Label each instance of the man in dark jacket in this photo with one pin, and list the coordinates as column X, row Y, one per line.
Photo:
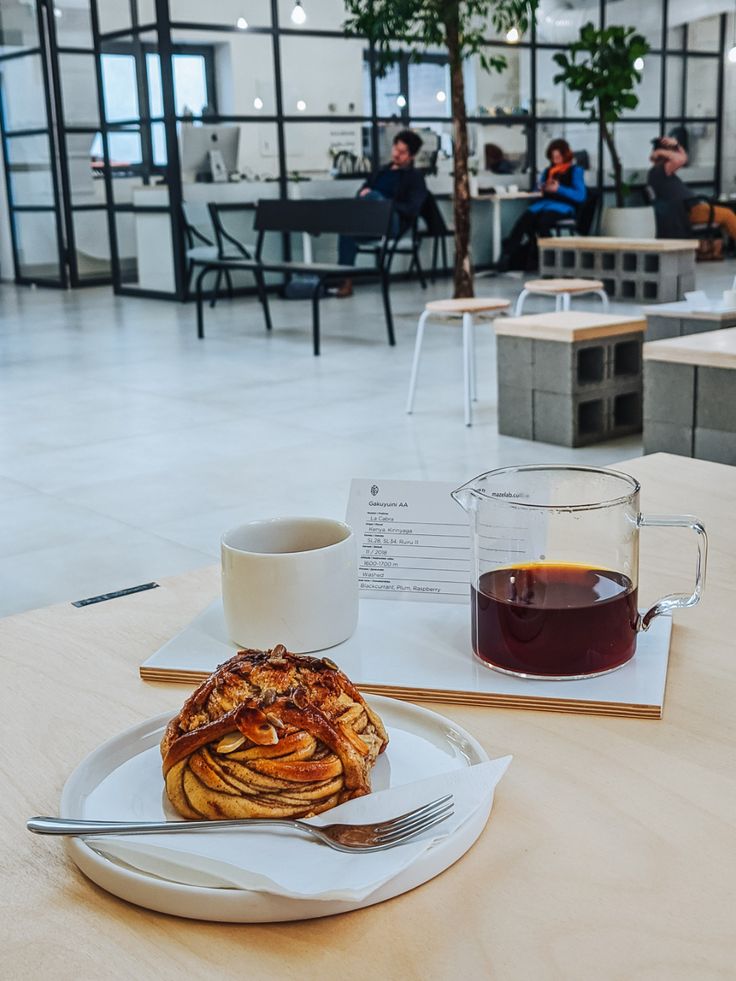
column 399, row 182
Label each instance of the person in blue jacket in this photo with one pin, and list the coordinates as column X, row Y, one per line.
column 563, row 189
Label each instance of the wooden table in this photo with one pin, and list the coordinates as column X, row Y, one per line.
column 690, row 395
column 678, row 319
column 609, row 854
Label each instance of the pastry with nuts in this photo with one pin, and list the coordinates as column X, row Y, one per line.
column 271, row 734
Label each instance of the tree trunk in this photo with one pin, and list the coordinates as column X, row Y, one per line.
column 461, row 183
column 616, row 161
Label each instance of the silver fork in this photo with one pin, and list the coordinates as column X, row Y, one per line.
column 343, row 837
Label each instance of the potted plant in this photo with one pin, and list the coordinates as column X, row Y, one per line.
column 460, row 28
column 603, row 68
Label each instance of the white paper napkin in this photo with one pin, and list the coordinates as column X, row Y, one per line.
column 289, row 863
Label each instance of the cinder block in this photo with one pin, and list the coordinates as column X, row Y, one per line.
column 515, row 412
column 661, row 327
column 624, row 412
column 665, row 437
column 716, row 399
column 514, row 357
column 690, row 325
column 715, row 445
column 569, row 420
column 669, row 393
column 624, row 361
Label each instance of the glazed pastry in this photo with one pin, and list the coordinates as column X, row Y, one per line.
column 270, row 734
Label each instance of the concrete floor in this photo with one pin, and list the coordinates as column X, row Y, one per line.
column 127, row 446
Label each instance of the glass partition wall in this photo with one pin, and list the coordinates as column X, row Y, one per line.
column 159, row 107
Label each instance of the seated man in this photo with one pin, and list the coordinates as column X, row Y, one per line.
column 667, row 157
column 398, row 182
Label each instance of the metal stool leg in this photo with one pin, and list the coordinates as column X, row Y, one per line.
column 565, row 301
column 558, row 302
column 604, row 298
column 415, row 363
column 473, row 371
column 520, row 302
column 467, row 363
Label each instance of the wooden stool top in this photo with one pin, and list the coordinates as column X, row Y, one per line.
column 471, row 304
column 563, row 285
column 571, row 325
column 603, row 243
column 711, row 349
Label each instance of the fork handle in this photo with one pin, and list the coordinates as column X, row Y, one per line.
column 64, row 826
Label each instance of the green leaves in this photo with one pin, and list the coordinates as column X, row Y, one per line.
column 422, row 24
column 599, row 67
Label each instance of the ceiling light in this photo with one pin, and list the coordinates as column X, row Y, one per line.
column 298, row 16
column 512, row 35
column 441, row 96
column 258, row 103
column 401, row 102
column 57, row 12
column 241, row 24
column 639, row 64
column 301, row 105
column 732, row 54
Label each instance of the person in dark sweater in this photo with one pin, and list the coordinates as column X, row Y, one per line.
column 399, row 182
column 563, row 188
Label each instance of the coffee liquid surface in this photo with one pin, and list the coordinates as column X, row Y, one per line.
column 554, row 620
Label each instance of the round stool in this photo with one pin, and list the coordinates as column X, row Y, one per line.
column 561, row 290
column 468, row 309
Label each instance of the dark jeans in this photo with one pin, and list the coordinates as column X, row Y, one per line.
column 530, row 225
column 347, row 245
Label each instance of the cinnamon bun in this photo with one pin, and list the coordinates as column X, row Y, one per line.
column 270, row 734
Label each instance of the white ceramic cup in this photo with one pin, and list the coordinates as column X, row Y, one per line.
column 290, row 581
column 729, row 299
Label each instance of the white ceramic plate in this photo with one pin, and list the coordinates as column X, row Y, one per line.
column 123, row 778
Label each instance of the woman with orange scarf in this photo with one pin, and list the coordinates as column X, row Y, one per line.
column 563, row 188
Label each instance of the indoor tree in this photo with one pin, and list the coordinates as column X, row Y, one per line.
column 460, row 26
column 601, row 67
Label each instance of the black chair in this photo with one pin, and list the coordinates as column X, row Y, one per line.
column 354, row 217
column 199, row 247
column 672, row 219
column 436, row 229
column 405, row 243
column 585, row 220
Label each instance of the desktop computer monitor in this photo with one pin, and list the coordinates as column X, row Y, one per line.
column 195, row 143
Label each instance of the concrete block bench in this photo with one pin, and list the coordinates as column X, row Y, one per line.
column 690, row 396
column 635, row 269
column 678, row 319
column 570, row 378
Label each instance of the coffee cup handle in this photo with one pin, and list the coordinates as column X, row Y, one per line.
column 676, row 601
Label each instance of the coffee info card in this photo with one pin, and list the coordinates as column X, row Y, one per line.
column 413, row 540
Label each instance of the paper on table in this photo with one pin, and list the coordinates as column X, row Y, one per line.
column 413, row 540
column 288, row 863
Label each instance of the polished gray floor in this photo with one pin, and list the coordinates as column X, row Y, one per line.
column 127, row 446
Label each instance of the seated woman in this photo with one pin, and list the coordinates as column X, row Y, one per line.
column 563, row 188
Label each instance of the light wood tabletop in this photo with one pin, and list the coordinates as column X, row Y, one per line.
column 609, row 853
column 608, row 243
column 711, row 349
column 570, row 325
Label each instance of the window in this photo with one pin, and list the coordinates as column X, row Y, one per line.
column 194, row 91
column 410, row 88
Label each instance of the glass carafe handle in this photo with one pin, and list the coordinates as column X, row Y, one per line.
column 676, row 601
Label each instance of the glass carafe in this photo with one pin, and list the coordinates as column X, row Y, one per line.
column 555, row 569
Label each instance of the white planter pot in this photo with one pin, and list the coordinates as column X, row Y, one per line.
column 629, row 222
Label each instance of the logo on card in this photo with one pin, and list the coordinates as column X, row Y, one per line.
column 374, row 490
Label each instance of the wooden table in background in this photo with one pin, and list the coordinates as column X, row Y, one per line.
column 610, row 852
